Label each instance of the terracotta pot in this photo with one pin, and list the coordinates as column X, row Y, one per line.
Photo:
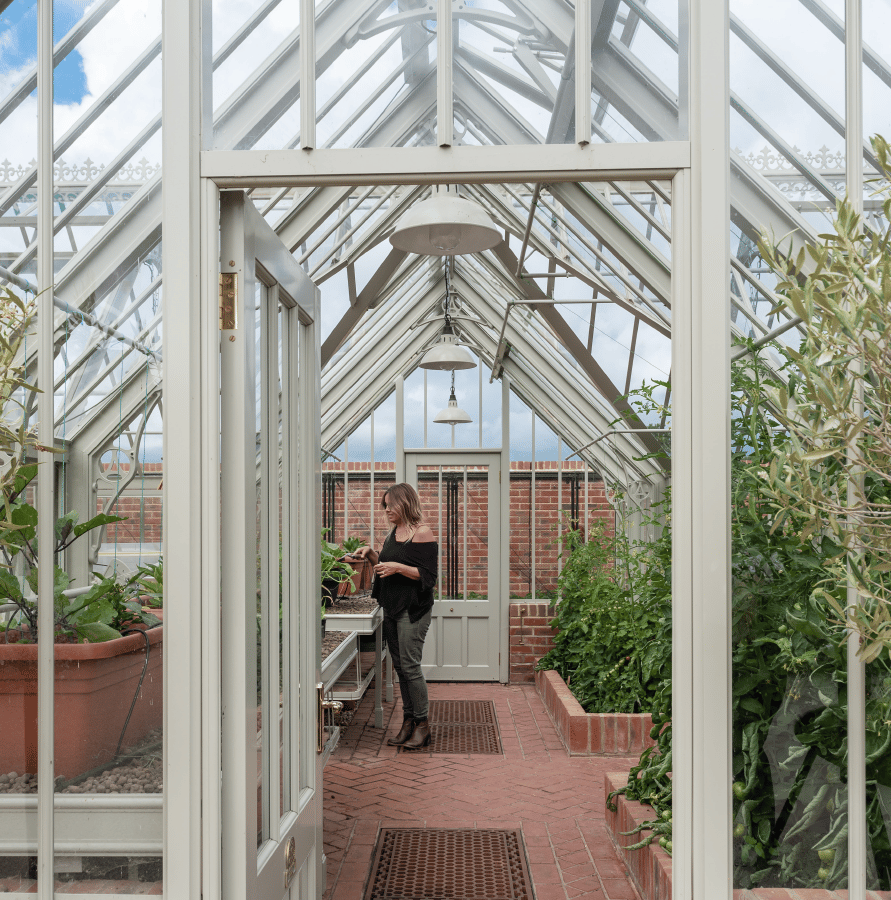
column 94, row 687
column 361, row 578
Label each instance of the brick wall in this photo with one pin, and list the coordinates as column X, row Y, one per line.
column 531, row 636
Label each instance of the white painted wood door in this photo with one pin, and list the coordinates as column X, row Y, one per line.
column 461, row 496
column 269, row 368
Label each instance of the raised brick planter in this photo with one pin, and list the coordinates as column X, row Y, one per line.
column 592, row 734
column 650, row 867
column 531, row 637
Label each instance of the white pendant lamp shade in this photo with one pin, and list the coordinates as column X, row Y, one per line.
column 445, row 225
column 447, row 354
column 452, row 414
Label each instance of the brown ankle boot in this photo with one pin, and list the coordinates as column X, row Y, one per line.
column 408, row 726
column 420, row 737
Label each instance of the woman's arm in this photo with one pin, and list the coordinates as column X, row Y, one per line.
column 422, row 536
column 368, row 553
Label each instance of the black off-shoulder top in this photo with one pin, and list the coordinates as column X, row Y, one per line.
column 399, row 593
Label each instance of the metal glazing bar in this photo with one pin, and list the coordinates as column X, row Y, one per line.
column 237, row 39
column 17, row 280
column 873, row 61
column 856, row 669
column 349, row 233
column 62, row 49
column 533, row 516
column 307, row 74
column 783, row 147
column 371, row 485
column 606, row 434
column 465, row 535
column 585, row 468
column 375, row 94
column 425, row 407
column 93, row 112
column 290, row 323
column 269, row 727
column 444, row 114
column 323, row 236
column 740, row 352
column 559, row 504
column 582, row 73
column 87, row 194
column 46, row 495
column 346, row 485
column 532, row 204
column 479, row 371
column 641, row 210
column 110, row 330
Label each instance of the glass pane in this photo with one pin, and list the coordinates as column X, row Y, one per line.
column 635, row 68
column 365, row 89
column 264, row 723
column 476, row 533
column 250, row 43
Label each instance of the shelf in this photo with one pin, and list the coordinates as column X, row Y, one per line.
column 361, row 623
column 335, row 664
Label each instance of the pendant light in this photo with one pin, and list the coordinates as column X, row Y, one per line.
column 452, row 414
column 445, row 225
column 447, row 354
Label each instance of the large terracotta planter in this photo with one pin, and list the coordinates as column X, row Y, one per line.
column 94, row 687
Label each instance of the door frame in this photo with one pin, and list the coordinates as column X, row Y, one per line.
column 503, row 557
column 255, row 255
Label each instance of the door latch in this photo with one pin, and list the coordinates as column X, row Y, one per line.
column 324, row 704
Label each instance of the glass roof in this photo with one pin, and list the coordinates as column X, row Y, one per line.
column 600, row 253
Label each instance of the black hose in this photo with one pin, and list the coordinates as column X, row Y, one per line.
column 138, row 686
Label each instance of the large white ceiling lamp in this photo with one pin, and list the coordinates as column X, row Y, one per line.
column 445, row 225
column 452, row 414
column 447, row 354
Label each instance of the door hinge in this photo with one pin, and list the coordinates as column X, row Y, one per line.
column 228, row 293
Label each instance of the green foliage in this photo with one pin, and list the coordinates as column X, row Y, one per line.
column 832, row 474
column 789, row 675
column 613, row 622
column 15, row 437
column 334, row 567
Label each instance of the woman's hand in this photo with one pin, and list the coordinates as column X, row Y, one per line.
column 364, row 553
column 388, row 568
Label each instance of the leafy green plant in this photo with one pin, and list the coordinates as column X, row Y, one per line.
column 832, row 474
column 16, row 438
column 18, row 577
column 789, row 699
column 148, row 583
column 613, row 640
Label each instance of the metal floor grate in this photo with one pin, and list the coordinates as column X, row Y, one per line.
column 449, row 864
column 462, row 726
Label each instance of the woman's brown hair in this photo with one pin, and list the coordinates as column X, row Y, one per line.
column 405, row 500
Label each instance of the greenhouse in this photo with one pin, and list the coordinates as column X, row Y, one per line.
column 604, row 285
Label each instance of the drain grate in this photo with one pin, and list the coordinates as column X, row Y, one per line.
column 463, row 726
column 449, row 864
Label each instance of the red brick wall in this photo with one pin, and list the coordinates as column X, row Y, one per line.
column 531, row 636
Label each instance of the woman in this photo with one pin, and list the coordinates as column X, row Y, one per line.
column 405, row 574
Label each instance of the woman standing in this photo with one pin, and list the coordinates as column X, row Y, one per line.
column 405, row 574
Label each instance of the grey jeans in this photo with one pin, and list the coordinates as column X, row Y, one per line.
column 405, row 641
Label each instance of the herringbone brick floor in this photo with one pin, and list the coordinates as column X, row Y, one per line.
column 556, row 800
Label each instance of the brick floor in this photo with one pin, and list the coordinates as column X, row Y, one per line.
column 555, row 799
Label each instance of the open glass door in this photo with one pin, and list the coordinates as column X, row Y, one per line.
column 271, row 771
column 461, row 497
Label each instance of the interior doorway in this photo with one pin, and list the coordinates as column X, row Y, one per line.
column 461, row 497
